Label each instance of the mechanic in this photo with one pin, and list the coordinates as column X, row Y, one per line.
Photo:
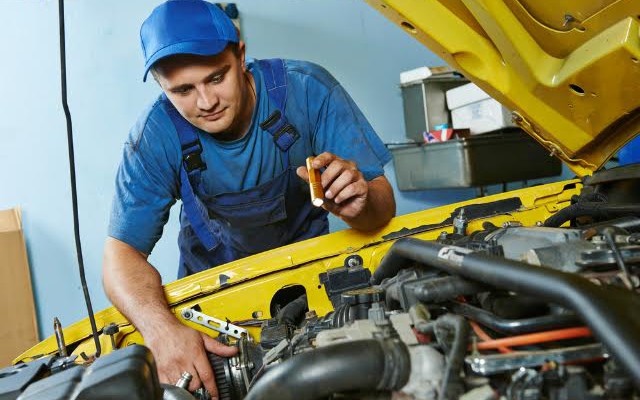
column 229, row 137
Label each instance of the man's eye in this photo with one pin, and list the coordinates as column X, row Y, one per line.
column 182, row 91
column 217, row 79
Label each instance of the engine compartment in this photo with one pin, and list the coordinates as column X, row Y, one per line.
column 460, row 339
column 485, row 304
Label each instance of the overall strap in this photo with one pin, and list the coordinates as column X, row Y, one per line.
column 190, row 176
column 275, row 79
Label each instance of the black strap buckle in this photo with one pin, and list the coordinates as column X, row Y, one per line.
column 287, row 129
column 271, row 120
column 193, row 160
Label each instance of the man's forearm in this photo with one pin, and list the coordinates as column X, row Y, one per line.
column 380, row 207
column 135, row 288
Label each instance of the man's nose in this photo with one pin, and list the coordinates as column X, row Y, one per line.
column 207, row 98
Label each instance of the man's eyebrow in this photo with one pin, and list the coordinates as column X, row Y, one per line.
column 180, row 88
column 219, row 71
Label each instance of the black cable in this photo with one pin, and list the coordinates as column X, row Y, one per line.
column 611, row 241
column 452, row 386
column 72, row 172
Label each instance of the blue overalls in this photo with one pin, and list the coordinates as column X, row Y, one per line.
column 218, row 229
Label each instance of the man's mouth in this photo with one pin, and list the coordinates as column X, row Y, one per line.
column 214, row 115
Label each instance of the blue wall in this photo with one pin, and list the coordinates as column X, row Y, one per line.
column 361, row 48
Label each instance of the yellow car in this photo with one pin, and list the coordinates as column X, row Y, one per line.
column 529, row 294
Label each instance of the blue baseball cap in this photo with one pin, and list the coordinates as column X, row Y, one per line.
column 185, row 27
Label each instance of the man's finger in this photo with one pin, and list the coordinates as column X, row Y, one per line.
column 333, row 171
column 205, row 375
column 195, row 383
column 303, row 173
column 346, row 178
column 215, row 347
column 352, row 190
column 323, row 160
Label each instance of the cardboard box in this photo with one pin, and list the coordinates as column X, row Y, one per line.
column 473, row 109
column 19, row 328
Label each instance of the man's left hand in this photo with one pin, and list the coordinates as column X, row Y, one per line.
column 345, row 188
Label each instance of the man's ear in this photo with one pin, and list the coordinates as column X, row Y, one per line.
column 241, row 54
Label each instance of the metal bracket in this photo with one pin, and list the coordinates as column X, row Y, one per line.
column 498, row 363
column 189, row 314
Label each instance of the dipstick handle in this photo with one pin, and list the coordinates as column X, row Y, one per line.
column 315, row 184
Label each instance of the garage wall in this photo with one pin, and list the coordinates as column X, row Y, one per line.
column 361, row 48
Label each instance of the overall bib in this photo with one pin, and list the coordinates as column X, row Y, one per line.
column 218, row 229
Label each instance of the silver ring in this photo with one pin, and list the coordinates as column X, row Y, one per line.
column 184, row 380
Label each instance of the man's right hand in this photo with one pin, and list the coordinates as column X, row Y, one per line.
column 135, row 287
column 178, row 348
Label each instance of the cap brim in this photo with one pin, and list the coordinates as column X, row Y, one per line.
column 200, row 47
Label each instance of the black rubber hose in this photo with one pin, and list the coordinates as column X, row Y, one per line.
column 360, row 365
column 513, row 326
column 388, row 267
column 608, row 234
column 446, row 288
column 607, row 310
column 452, row 386
column 592, row 209
column 293, row 312
column 510, row 306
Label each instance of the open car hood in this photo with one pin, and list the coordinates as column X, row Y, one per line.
column 569, row 69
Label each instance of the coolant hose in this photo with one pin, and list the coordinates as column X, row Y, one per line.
column 452, row 386
column 592, row 209
column 607, row 310
column 513, row 326
column 446, row 288
column 388, row 267
column 359, row 365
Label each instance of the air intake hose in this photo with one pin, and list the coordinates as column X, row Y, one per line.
column 359, row 365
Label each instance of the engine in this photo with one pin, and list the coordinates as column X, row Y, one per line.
column 419, row 331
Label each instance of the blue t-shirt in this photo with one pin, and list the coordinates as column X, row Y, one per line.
column 147, row 182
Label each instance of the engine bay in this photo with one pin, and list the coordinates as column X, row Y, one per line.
column 492, row 306
column 419, row 333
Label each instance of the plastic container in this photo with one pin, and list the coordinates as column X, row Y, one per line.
column 506, row 156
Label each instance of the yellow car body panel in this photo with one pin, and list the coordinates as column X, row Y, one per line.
column 251, row 283
column 569, row 69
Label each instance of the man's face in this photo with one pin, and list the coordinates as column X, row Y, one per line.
column 210, row 92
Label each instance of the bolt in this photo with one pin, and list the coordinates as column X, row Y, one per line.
column 460, row 223
column 184, row 380
column 568, row 19
column 62, row 347
column 111, row 330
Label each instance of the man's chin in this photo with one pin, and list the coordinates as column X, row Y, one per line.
column 214, row 128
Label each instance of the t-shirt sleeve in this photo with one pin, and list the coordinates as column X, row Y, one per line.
column 146, row 185
column 342, row 129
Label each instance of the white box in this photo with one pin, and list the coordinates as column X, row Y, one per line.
column 414, row 75
column 473, row 109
